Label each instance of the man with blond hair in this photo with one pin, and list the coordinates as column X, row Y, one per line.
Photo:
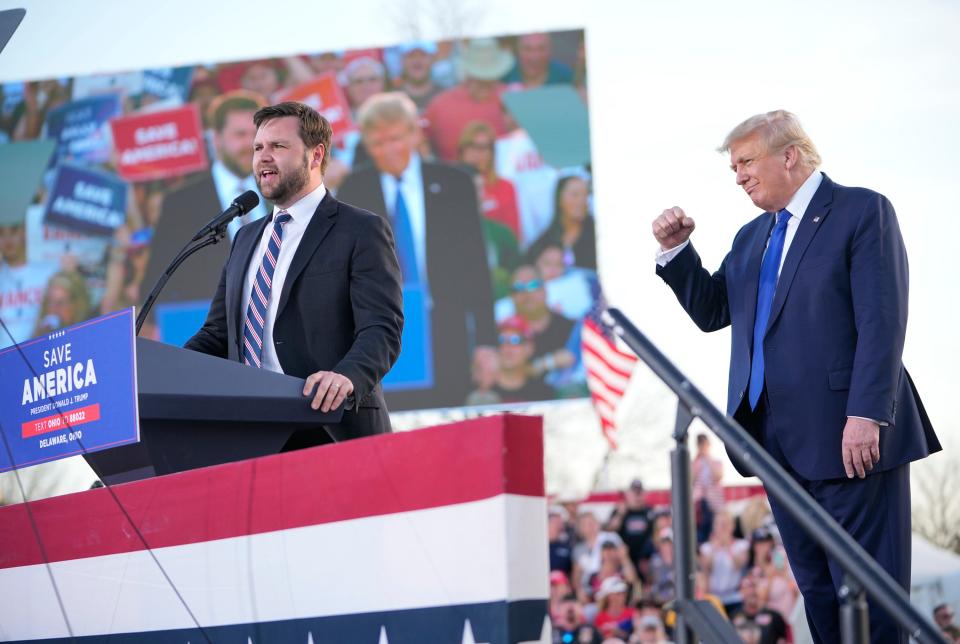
column 433, row 211
column 815, row 292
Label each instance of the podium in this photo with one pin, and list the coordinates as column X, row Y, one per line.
column 197, row 410
column 435, row 535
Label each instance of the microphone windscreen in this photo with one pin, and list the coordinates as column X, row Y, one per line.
column 247, row 201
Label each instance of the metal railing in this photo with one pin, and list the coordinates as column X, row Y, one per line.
column 862, row 575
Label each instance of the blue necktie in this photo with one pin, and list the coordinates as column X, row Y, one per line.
column 260, row 294
column 403, row 232
column 769, row 271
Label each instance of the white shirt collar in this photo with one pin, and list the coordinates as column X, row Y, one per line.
column 303, row 210
column 801, row 198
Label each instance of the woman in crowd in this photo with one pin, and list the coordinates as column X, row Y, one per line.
column 66, row 302
column 723, row 559
column 768, row 565
column 572, row 228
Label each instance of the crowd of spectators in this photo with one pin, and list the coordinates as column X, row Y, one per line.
column 612, row 578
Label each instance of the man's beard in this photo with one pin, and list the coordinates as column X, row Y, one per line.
column 289, row 184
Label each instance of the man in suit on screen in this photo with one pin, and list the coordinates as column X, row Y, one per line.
column 312, row 291
column 815, row 292
column 435, row 216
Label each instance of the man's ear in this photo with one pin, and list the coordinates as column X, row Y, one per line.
column 319, row 153
column 791, row 157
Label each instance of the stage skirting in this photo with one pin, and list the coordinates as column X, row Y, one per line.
column 436, row 535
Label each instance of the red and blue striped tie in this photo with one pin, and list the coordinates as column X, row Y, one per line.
column 260, row 294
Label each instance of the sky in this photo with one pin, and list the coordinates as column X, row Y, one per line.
column 875, row 84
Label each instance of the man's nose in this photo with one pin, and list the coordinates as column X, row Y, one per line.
column 742, row 176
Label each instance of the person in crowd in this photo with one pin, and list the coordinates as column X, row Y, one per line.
column 586, row 554
column 535, row 65
column 559, row 591
column 572, row 227
column 551, row 332
column 22, row 283
column 614, row 617
column 561, row 548
column 315, row 290
column 363, row 77
column 633, row 520
column 188, row 208
column 477, row 98
column 416, row 78
column 514, row 381
column 648, row 630
column 662, row 575
column 568, row 619
column 499, row 202
column 943, row 617
column 767, row 564
column 723, row 558
column 615, row 562
column 773, row 627
column 66, row 302
column 39, row 99
column 707, row 472
column 570, row 290
column 835, row 408
column 441, row 239
column 260, row 77
column 503, row 252
column 326, row 62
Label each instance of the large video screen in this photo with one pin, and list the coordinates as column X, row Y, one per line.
column 105, row 178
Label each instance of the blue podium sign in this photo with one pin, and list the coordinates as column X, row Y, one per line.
column 69, row 392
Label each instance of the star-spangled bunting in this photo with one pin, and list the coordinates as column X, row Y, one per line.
column 608, row 367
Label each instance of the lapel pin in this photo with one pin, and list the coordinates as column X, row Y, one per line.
column 816, row 219
column 435, row 188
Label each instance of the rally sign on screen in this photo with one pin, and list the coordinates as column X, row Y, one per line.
column 69, row 392
column 87, row 201
column 81, row 128
column 325, row 96
column 158, row 145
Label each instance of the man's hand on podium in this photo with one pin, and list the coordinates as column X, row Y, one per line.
column 332, row 389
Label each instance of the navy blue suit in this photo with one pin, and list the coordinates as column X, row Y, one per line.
column 832, row 349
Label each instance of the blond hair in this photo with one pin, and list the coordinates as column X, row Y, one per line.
column 387, row 108
column 779, row 130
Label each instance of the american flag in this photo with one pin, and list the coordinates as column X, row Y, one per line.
column 608, row 367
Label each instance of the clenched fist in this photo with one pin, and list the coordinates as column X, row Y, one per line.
column 672, row 228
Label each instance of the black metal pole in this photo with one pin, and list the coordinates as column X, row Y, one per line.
column 814, row 520
column 684, row 533
column 854, row 617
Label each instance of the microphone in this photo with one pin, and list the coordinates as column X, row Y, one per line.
column 240, row 206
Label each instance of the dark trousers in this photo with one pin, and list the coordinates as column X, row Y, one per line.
column 876, row 513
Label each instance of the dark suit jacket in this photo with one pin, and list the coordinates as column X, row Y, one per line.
column 835, row 337
column 457, row 270
column 340, row 309
column 184, row 212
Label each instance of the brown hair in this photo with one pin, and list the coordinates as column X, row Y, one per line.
column 236, row 101
column 314, row 128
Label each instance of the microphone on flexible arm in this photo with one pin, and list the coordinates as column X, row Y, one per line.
column 240, row 206
column 210, row 234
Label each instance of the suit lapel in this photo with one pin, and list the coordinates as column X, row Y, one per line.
column 320, row 224
column 245, row 246
column 812, row 219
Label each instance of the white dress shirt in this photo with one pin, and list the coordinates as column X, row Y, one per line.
column 411, row 184
column 302, row 213
column 797, row 208
column 229, row 186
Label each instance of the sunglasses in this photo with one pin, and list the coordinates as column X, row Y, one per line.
column 512, row 338
column 526, row 287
